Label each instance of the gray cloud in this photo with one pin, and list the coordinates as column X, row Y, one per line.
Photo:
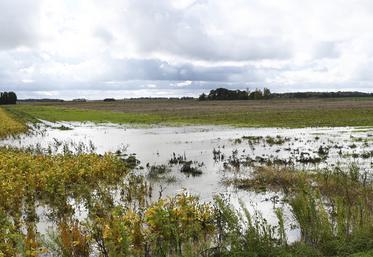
column 158, row 27
column 103, row 34
column 19, row 23
column 326, row 50
column 166, row 47
column 155, row 69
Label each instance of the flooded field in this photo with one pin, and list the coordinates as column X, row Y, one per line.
column 210, row 149
column 211, row 152
column 201, row 159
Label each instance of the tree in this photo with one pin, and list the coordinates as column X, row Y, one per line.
column 257, row 94
column 266, row 93
column 226, row 94
column 202, row 97
column 12, row 98
column 8, row 98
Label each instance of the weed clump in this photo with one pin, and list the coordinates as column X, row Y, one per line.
column 63, row 127
column 278, row 140
column 189, row 168
column 160, row 172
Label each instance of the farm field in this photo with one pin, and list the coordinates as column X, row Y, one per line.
column 291, row 113
column 262, row 186
column 190, row 128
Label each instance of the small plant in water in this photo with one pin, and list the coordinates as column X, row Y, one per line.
column 189, row 168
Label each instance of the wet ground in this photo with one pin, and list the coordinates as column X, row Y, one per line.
column 199, row 158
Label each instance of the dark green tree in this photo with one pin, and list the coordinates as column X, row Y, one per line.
column 266, row 93
column 202, row 97
column 8, row 98
column 226, row 94
column 256, row 95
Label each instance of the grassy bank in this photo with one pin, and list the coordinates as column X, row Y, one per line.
column 9, row 125
column 271, row 113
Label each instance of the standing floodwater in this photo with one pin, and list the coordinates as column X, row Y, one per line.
column 210, row 149
column 200, row 158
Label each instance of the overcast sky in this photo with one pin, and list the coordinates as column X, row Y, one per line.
column 128, row 48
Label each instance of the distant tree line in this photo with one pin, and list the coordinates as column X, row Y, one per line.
column 257, row 94
column 161, row 98
column 44, row 100
column 109, row 100
column 8, row 98
column 338, row 94
column 226, row 94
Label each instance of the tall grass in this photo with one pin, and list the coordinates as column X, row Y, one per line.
column 8, row 125
column 333, row 208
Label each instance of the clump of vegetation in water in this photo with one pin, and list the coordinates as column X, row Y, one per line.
column 190, row 168
column 366, row 155
column 278, row 140
column 253, row 139
column 63, row 127
column 156, row 171
column 353, row 146
column 237, row 141
column 160, row 172
column 217, row 155
column 323, row 152
column 232, row 161
column 306, row 158
column 187, row 167
column 177, row 159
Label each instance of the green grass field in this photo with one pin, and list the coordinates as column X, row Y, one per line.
column 273, row 113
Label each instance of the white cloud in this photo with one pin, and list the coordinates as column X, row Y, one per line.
column 184, row 47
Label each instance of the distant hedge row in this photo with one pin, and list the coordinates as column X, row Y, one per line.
column 8, row 98
column 339, row 94
column 226, row 94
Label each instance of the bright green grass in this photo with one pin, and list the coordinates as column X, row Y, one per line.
column 366, row 254
column 266, row 118
column 67, row 114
